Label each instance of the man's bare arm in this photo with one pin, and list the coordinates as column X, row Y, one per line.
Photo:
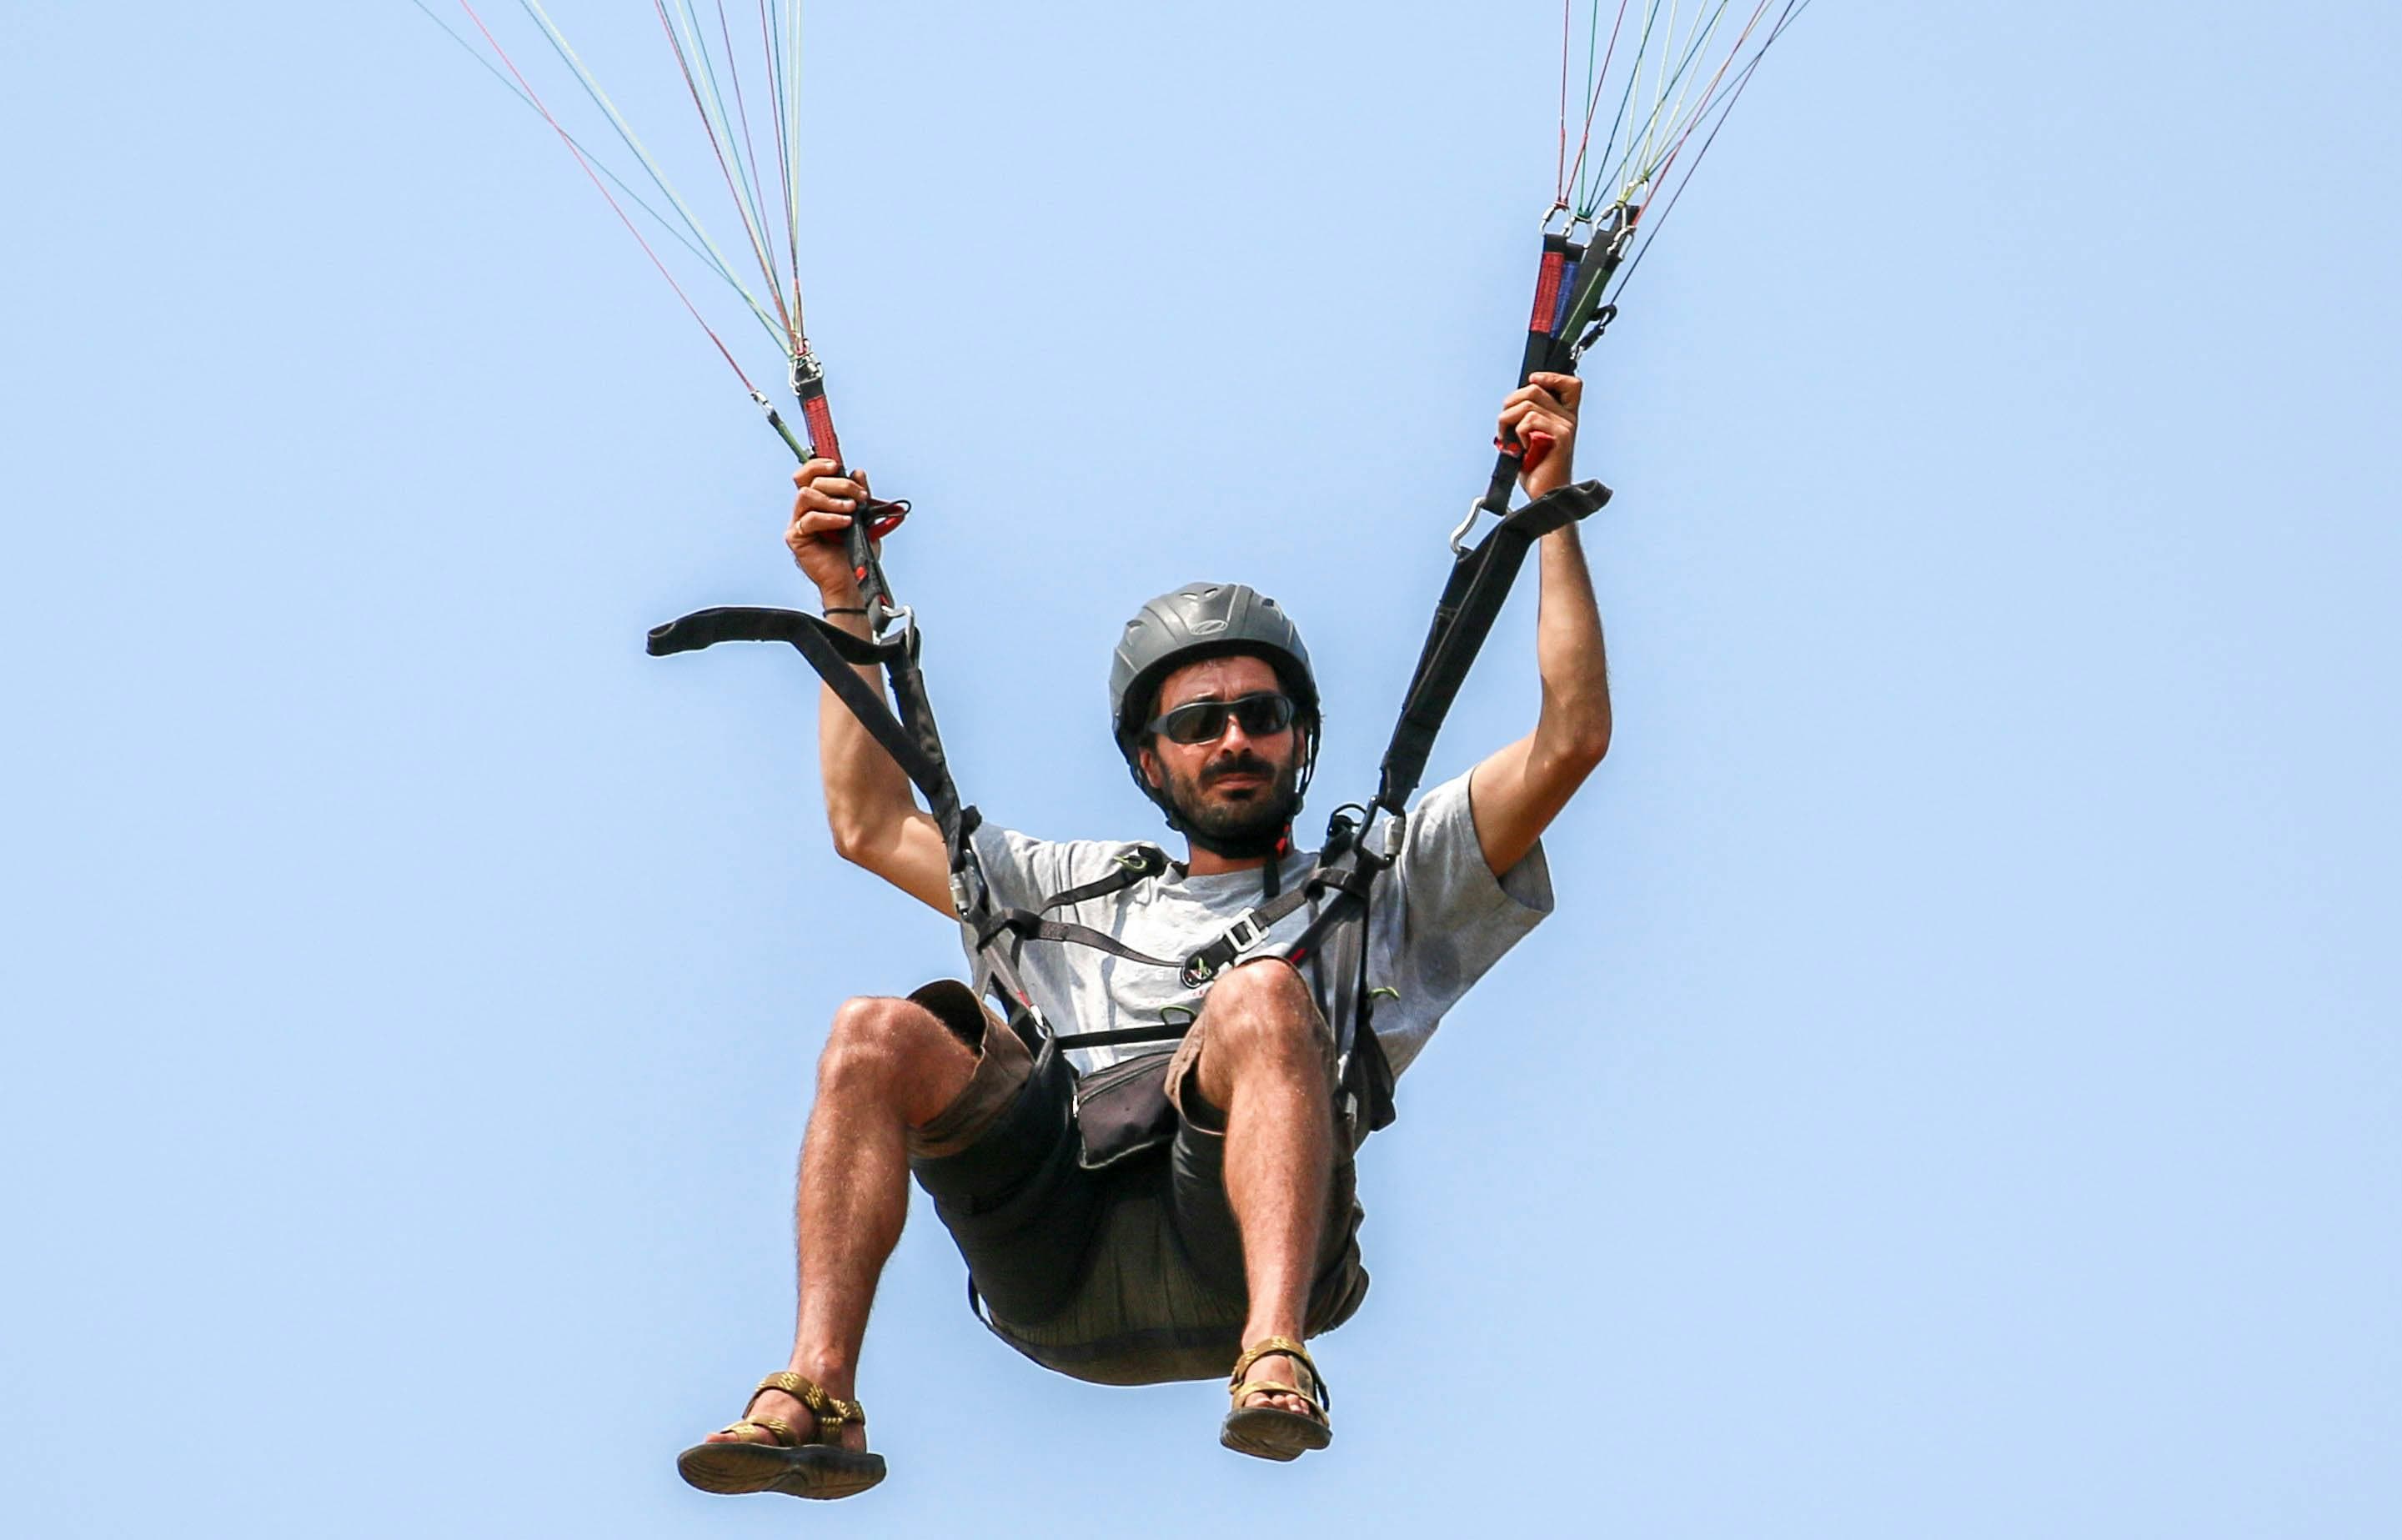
column 1516, row 793
column 876, row 821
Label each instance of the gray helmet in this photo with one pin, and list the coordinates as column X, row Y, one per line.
column 1205, row 620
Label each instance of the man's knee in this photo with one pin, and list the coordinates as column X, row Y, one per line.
column 883, row 1041
column 1263, row 1009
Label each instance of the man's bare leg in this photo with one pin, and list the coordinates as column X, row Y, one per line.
column 1263, row 1062
column 889, row 1066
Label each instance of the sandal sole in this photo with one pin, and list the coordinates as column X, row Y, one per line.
column 816, row 1471
column 1270, row 1433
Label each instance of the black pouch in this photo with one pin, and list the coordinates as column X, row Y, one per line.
column 1123, row 1110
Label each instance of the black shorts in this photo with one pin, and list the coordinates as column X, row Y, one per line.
column 1118, row 1266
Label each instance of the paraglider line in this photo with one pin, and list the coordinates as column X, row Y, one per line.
column 616, row 208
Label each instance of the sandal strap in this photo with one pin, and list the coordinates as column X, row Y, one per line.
column 783, row 1432
column 832, row 1411
column 1315, row 1412
column 1272, row 1347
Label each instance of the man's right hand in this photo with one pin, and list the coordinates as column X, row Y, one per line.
column 822, row 517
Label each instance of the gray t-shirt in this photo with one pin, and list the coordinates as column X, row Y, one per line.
column 1438, row 919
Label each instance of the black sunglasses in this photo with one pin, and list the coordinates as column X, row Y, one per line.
column 1205, row 721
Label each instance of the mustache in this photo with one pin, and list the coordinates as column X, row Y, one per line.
column 1241, row 764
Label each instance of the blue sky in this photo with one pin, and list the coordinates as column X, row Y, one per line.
column 1958, row 1093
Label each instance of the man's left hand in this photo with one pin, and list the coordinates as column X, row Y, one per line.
column 1540, row 417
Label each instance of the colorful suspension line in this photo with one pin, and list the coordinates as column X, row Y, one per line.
column 762, row 187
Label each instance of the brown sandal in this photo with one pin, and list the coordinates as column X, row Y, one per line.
column 1272, row 1432
column 811, row 1464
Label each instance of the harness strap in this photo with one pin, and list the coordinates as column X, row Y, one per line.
column 1248, row 931
column 834, row 654
column 908, row 735
column 1135, row 865
column 1165, row 1031
column 1027, row 925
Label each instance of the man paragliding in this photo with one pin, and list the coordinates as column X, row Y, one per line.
column 1140, row 1116
column 1132, row 1210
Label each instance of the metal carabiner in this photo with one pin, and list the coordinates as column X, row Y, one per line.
column 1459, row 536
column 1593, row 330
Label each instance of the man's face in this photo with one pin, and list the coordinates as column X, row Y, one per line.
column 1236, row 787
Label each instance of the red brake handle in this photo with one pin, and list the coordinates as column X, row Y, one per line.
column 1530, row 455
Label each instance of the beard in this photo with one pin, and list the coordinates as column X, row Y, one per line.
column 1252, row 821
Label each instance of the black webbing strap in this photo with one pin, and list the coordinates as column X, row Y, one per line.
column 1027, row 925
column 1141, row 862
column 1349, row 881
column 1251, row 927
column 1165, row 1031
column 907, row 734
column 909, row 737
column 1471, row 601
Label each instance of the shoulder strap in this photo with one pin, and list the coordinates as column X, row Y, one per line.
column 1480, row 581
column 1135, row 865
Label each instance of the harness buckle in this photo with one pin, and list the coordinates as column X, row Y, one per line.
column 1210, row 961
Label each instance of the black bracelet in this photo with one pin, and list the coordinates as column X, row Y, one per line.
column 845, row 609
